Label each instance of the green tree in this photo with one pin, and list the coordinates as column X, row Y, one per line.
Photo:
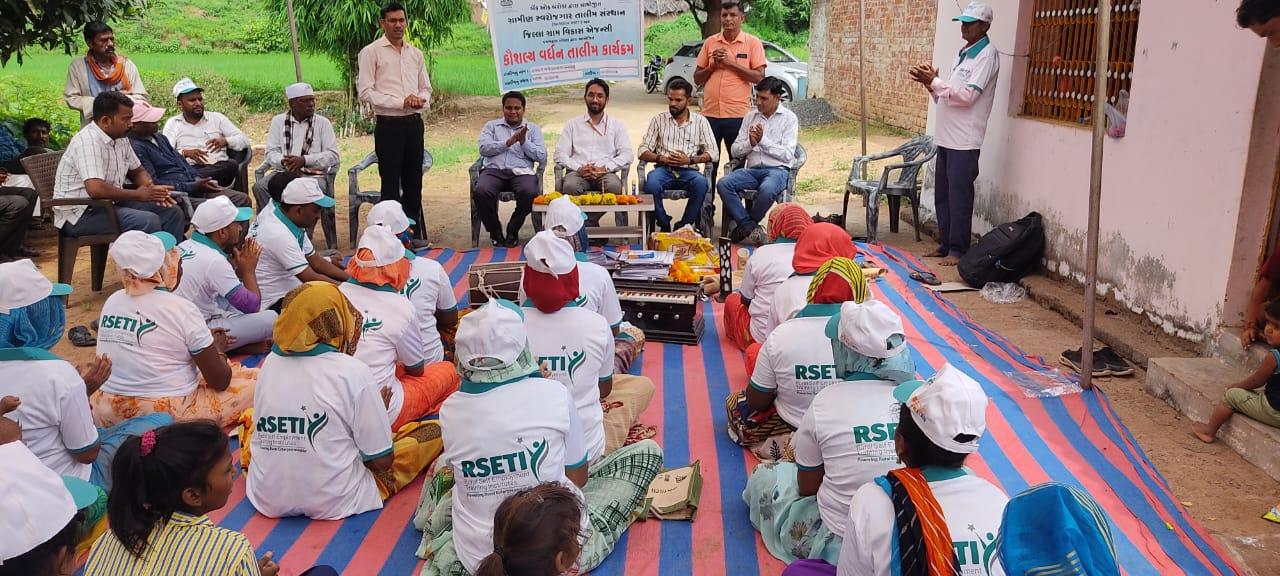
column 53, row 23
column 339, row 29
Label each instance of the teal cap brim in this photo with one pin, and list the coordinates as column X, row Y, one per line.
column 965, row 19
column 903, row 392
column 167, row 239
column 83, row 494
column 244, row 214
column 412, row 222
column 60, row 289
column 325, row 202
column 410, row 254
column 833, row 328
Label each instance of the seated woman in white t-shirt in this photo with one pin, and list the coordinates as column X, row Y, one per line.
column 164, row 357
column 320, row 441
column 746, row 311
column 844, row 440
column 794, row 365
column 391, row 338
column 508, row 429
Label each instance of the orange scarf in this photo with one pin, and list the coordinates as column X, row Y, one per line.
column 924, row 540
column 117, row 75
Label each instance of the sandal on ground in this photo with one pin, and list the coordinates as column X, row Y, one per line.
column 81, row 337
column 927, row 278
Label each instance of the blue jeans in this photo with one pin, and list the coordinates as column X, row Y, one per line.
column 131, row 215
column 955, row 173
column 768, row 183
column 110, row 439
column 690, row 180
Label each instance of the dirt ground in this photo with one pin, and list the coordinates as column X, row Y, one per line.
column 1219, row 488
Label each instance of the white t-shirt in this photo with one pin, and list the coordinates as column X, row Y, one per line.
column 848, row 431
column 963, row 127
column 530, row 434
column 796, row 363
column 430, row 290
column 768, row 266
column 576, row 346
column 389, row 335
column 151, row 340
column 285, row 249
column 207, row 277
column 54, row 414
column 317, row 420
column 972, row 506
column 790, row 296
column 596, row 285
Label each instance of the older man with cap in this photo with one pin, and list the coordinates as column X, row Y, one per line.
column 219, row 275
column 165, row 164
column 429, row 287
column 288, row 258
column 963, row 108
column 203, row 136
column 38, row 514
column 299, row 141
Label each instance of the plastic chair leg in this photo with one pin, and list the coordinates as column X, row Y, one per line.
column 353, row 218
column 914, row 197
column 67, row 249
column 872, row 201
column 98, row 265
column 895, row 204
column 475, row 224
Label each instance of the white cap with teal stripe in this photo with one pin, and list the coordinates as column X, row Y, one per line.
column 975, row 12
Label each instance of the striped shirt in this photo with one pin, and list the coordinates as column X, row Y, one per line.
column 186, row 545
column 666, row 136
column 91, row 154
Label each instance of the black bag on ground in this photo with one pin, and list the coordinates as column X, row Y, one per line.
column 1005, row 254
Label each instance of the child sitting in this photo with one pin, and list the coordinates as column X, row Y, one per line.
column 536, row 532
column 1244, row 397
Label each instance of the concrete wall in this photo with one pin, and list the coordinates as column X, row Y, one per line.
column 899, row 34
column 1175, row 189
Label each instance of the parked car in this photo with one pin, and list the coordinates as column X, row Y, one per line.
column 782, row 65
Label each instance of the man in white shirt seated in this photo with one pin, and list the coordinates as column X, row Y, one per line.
column 767, row 141
column 204, row 137
column 96, row 165
column 592, row 147
column 219, row 275
column 288, row 258
column 299, row 141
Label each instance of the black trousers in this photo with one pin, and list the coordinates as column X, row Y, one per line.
column 224, row 172
column 493, row 182
column 397, row 140
column 726, row 131
column 16, row 205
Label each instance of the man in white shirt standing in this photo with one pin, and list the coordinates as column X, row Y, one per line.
column 96, row 165
column 963, row 108
column 203, row 137
column 592, row 147
column 393, row 80
column 767, row 141
column 299, row 141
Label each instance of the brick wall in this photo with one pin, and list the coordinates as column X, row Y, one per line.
column 899, row 34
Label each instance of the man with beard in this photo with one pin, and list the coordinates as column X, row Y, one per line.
column 165, row 164
column 676, row 142
column 101, row 70
column 509, row 147
column 203, row 136
column 592, row 146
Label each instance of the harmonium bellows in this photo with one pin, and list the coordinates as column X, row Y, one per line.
column 494, row 280
column 665, row 311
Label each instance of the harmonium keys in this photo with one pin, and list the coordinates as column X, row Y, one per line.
column 665, row 311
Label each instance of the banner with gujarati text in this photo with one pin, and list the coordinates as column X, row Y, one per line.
column 539, row 43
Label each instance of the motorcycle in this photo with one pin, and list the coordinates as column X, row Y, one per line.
column 653, row 73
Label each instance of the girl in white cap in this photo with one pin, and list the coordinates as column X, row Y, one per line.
column 164, row 357
column 508, row 429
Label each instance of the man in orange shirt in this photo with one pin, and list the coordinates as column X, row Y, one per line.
column 729, row 64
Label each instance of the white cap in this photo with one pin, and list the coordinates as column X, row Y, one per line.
column 386, row 248
column 217, row 213
column 975, row 12
column 298, row 90
column 138, row 252
column 305, row 191
column 564, row 214
column 868, row 329
column 183, row 86
column 495, row 331
column 390, row 214
column 946, row 406
column 143, row 111
column 36, row 503
column 550, row 254
column 21, row 284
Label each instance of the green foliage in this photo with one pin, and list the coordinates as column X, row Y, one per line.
column 53, row 23
column 664, row 38
column 468, row 38
column 202, row 27
column 20, row 99
column 218, row 93
column 462, row 74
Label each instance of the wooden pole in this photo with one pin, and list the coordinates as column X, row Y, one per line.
column 293, row 39
column 1100, row 75
column 862, row 78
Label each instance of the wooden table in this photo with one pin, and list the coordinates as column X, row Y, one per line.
column 643, row 213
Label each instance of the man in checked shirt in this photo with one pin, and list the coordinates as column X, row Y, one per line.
column 677, row 142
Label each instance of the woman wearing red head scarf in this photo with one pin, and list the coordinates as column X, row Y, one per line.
column 746, row 311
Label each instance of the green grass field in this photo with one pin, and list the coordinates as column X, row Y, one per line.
column 250, row 69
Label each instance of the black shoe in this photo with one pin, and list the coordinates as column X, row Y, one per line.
column 25, row 252
column 512, row 242
column 1116, row 364
column 740, row 233
column 81, row 337
column 1072, row 358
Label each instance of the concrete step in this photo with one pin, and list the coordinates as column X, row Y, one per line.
column 1226, row 347
column 1194, row 385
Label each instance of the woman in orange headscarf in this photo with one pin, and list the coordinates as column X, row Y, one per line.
column 746, row 311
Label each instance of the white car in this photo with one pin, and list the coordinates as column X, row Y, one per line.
column 782, row 65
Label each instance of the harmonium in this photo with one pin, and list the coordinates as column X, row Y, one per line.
column 494, row 280
column 665, row 311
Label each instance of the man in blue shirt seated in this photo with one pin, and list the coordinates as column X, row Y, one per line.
column 165, row 164
column 509, row 148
